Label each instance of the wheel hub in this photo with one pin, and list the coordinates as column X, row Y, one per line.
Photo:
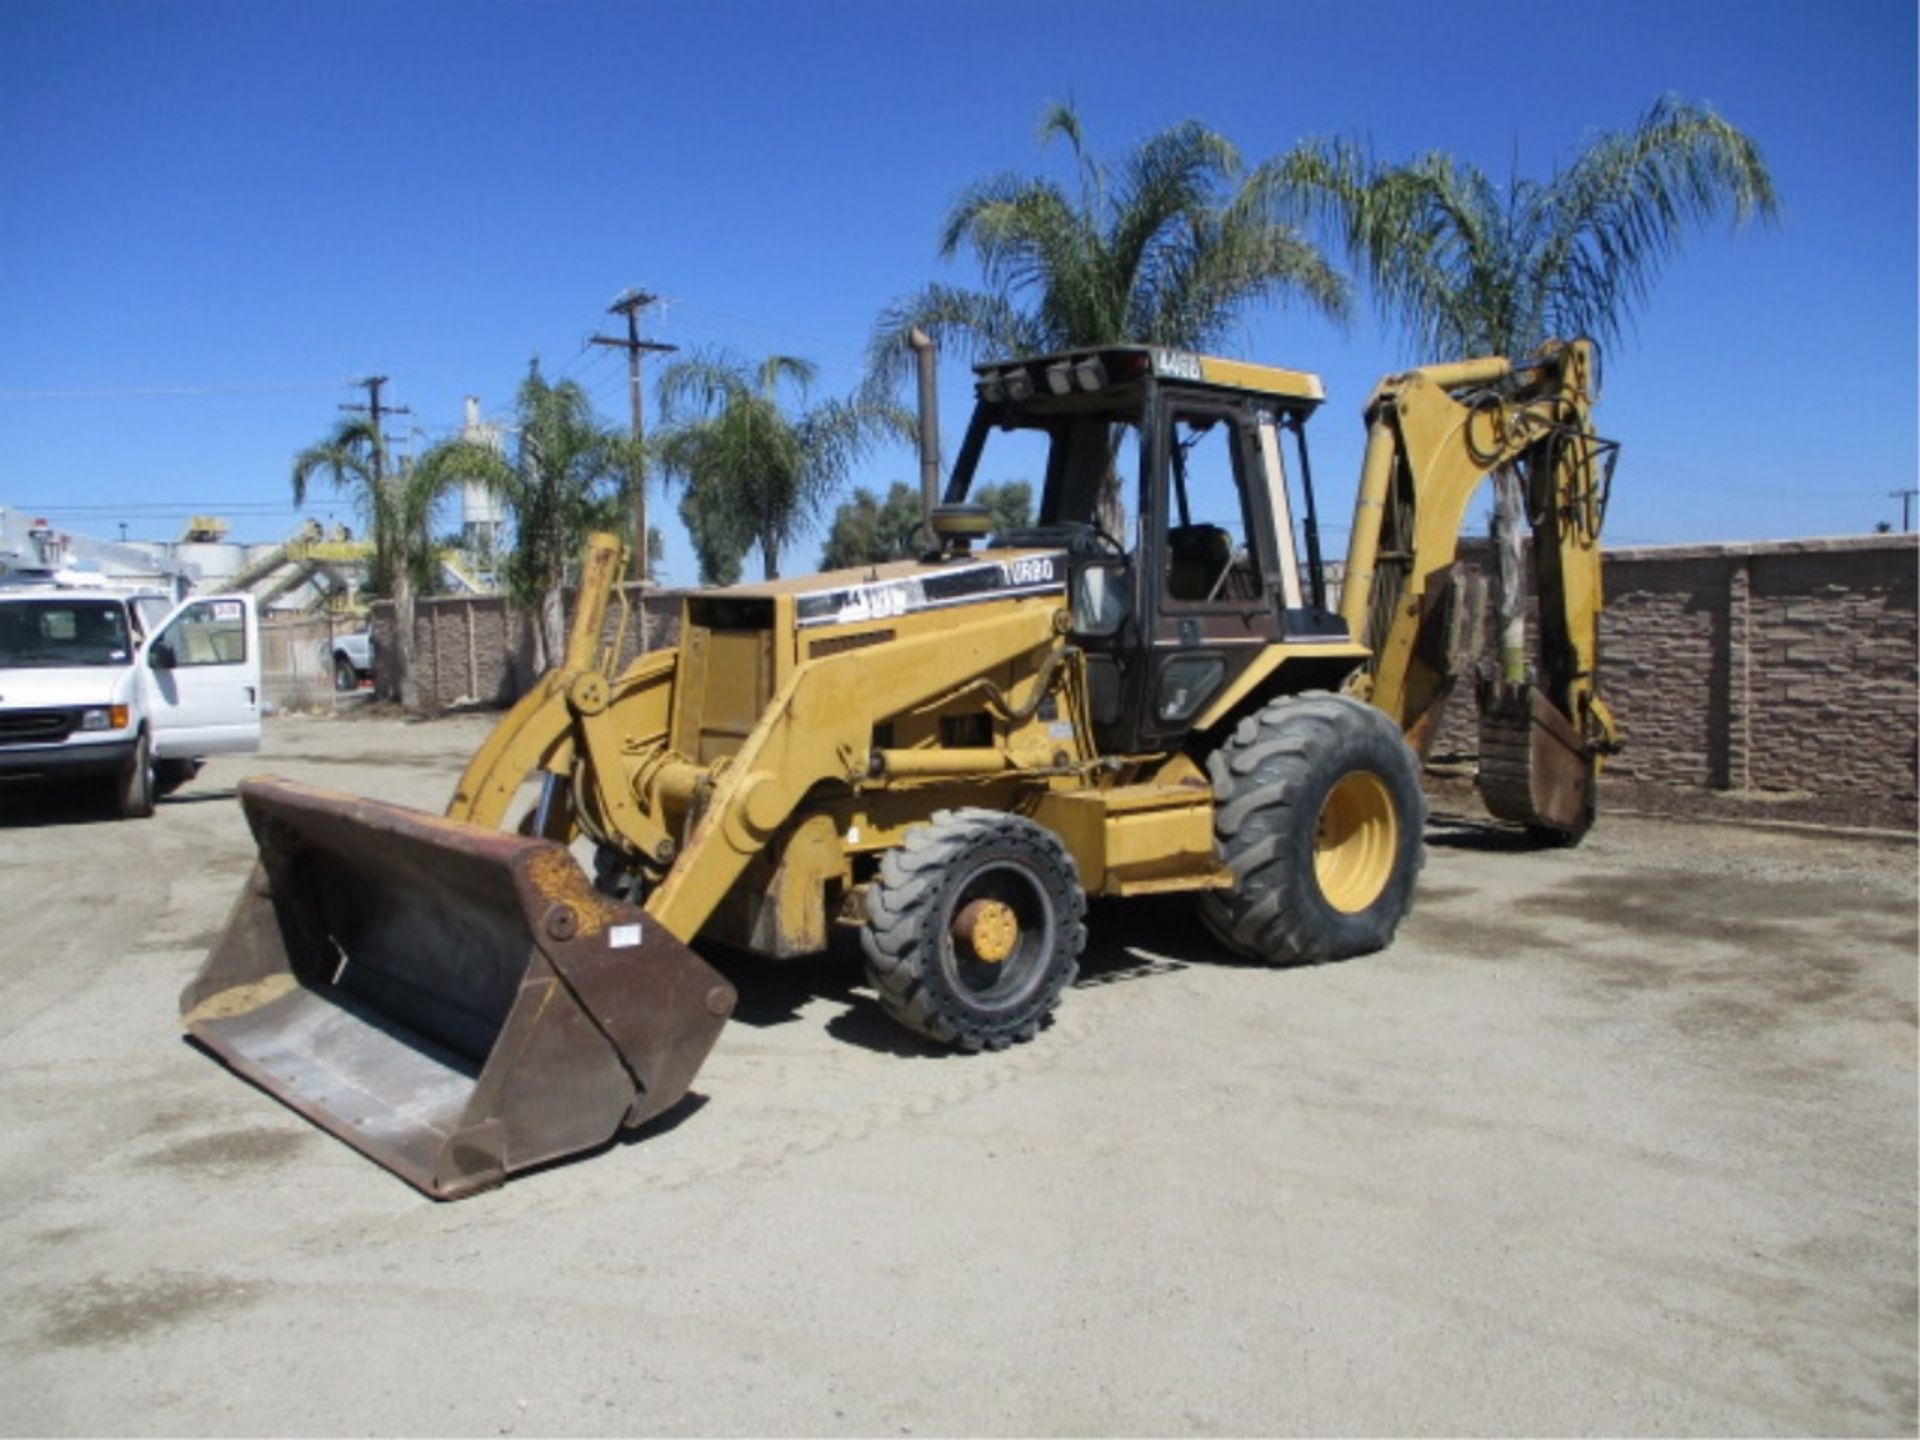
column 988, row 928
column 1354, row 842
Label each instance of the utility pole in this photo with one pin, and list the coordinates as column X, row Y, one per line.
column 1906, row 499
column 630, row 305
column 373, row 409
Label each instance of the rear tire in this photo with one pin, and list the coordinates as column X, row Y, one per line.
column 975, row 925
column 345, row 677
column 133, row 789
column 1319, row 815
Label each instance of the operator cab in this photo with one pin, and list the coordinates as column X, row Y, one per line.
column 1164, row 482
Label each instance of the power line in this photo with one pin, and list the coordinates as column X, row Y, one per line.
column 124, row 392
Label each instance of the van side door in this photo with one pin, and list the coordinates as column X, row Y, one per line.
column 201, row 677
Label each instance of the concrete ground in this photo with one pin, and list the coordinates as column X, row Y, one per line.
column 1613, row 1140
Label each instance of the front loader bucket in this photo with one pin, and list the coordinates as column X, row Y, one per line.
column 1535, row 768
column 457, row 1003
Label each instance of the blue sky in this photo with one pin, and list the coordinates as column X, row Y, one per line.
column 256, row 202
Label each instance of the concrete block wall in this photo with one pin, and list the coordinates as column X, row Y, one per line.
column 479, row 650
column 1782, row 666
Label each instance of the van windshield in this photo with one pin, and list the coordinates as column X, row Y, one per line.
column 40, row 634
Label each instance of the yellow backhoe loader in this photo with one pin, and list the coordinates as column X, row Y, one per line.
column 949, row 753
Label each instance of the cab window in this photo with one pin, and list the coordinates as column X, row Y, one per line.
column 1211, row 557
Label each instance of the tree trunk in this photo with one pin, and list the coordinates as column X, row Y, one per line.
column 403, row 641
column 550, row 632
column 1510, row 594
column 770, row 556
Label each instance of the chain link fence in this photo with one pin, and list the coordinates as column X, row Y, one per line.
column 297, row 662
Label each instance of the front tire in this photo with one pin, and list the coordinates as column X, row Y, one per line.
column 975, row 924
column 1319, row 815
column 133, row 789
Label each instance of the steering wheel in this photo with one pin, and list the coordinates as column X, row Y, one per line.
column 1092, row 530
column 1084, row 538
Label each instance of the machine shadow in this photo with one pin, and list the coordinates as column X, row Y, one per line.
column 200, row 797
column 1461, row 832
column 1127, row 941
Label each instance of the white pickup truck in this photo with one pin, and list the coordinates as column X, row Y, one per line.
column 351, row 657
column 125, row 687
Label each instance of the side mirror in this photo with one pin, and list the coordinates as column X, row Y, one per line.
column 161, row 657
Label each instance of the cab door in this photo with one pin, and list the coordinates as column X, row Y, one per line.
column 1215, row 592
column 201, row 673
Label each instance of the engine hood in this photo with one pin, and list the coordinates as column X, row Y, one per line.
column 33, row 688
column 907, row 587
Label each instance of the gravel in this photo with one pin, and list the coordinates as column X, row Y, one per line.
column 1613, row 1140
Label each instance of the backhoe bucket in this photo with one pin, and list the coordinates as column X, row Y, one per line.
column 455, row 1002
column 1535, row 768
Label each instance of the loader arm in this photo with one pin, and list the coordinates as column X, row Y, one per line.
column 576, row 713
column 578, row 730
column 820, row 727
column 534, row 735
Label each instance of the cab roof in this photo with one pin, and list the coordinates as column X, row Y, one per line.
column 1096, row 367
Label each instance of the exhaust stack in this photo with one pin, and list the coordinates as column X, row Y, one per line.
column 929, row 413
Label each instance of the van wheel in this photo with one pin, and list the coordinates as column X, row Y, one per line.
column 974, row 927
column 133, row 790
column 1319, row 815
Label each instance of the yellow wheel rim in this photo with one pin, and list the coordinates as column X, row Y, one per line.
column 989, row 928
column 1355, row 841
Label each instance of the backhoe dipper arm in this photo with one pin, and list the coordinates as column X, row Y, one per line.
column 1433, row 435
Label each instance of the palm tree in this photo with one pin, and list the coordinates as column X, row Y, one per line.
column 742, row 457
column 568, row 477
column 719, row 535
column 398, row 510
column 1169, row 247
column 1469, row 267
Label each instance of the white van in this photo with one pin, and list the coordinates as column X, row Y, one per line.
column 127, row 687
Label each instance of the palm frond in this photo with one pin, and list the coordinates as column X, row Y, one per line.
column 794, row 371
column 1605, row 226
column 1062, row 120
column 702, row 382
column 1465, row 267
column 1166, row 246
column 746, row 467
